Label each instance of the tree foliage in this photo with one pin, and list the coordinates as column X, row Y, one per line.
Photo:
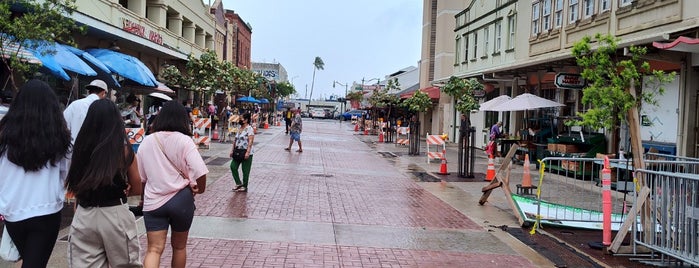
column 25, row 20
column 318, row 64
column 381, row 98
column 419, row 102
column 609, row 77
column 285, row 89
column 356, row 95
column 462, row 91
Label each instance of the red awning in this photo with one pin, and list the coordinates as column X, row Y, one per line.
column 683, row 44
column 432, row 92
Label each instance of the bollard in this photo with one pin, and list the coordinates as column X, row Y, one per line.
column 606, row 204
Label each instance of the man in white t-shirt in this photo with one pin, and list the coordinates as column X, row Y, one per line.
column 76, row 112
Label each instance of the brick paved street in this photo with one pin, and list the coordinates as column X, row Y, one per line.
column 339, row 203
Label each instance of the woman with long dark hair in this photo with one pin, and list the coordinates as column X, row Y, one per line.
column 103, row 172
column 172, row 171
column 244, row 139
column 34, row 141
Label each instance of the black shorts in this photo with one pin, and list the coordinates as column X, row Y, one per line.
column 177, row 213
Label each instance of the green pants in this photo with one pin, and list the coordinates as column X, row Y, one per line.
column 246, row 171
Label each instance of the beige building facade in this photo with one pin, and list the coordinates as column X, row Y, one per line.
column 529, row 59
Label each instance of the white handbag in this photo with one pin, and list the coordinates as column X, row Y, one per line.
column 8, row 251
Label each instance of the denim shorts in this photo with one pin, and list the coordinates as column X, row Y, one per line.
column 176, row 213
column 296, row 136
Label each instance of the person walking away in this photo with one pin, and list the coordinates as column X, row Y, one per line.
column 223, row 123
column 244, row 139
column 104, row 171
column 296, row 128
column 173, row 172
column 31, row 183
column 76, row 111
column 288, row 115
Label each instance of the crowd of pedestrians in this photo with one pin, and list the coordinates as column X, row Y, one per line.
column 84, row 150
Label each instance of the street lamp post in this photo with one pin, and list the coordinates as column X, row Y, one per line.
column 344, row 99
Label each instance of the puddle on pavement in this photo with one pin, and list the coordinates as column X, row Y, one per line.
column 424, row 176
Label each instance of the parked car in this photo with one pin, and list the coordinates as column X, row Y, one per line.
column 348, row 115
column 317, row 113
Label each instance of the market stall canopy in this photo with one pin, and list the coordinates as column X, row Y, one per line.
column 523, row 102
column 102, row 70
column 160, row 96
column 247, row 99
column 486, row 106
column 124, row 65
column 432, row 92
column 10, row 48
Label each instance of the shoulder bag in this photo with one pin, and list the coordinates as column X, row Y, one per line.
column 238, row 153
column 8, row 250
column 168, row 158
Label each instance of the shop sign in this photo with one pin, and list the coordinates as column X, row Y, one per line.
column 478, row 94
column 140, row 30
column 570, row 81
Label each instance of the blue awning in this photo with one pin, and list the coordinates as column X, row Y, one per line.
column 64, row 57
column 124, row 65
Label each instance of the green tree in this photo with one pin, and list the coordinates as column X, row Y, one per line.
column 24, row 20
column 382, row 99
column 462, row 91
column 318, row 64
column 611, row 92
column 419, row 102
column 285, row 89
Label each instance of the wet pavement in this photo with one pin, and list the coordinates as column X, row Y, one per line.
column 347, row 201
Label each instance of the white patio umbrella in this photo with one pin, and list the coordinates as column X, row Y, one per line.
column 486, row 106
column 160, row 96
column 524, row 102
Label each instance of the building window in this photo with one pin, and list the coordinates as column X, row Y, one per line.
column 465, row 48
column 535, row 18
column 546, row 15
column 486, row 40
column 604, row 5
column 458, row 50
column 475, row 45
column 589, row 8
column 573, row 8
column 625, row 2
column 511, row 28
column 498, row 36
column 559, row 14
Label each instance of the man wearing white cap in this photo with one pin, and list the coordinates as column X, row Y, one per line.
column 76, row 112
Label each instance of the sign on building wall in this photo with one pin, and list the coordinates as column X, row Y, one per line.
column 569, row 81
column 268, row 74
column 659, row 123
column 140, row 30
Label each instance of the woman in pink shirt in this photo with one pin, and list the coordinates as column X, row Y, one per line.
column 172, row 172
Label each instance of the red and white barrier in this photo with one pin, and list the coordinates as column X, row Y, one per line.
column 435, row 140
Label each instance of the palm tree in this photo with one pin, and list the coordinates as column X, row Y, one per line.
column 318, row 64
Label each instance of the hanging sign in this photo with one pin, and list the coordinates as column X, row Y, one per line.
column 570, row 81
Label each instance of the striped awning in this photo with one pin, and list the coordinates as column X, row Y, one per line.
column 10, row 48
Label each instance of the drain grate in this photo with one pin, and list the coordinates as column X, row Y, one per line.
column 322, row 175
column 424, row 176
column 388, row 154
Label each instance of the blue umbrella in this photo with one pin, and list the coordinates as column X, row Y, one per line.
column 248, row 99
column 127, row 66
column 263, row 101
column 103, row 71
column 65, row 58
column 49, row 64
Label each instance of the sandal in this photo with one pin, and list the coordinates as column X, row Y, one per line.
column 287, row 149
column 237, row 187
column 242, row 189
column 299, row 151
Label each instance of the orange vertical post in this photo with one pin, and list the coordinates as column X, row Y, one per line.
column 606, row 203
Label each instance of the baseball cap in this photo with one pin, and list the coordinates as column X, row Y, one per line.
column 97, row 85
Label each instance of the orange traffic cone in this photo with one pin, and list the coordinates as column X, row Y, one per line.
column 356, row 127
column 490, row 174
column 366, row 131
column 215, row 135
column 381, row 136
column 443, row 166
column 526, row 177
column 266, row 125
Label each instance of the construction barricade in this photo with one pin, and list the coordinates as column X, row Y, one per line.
column 202, row 132
column 402, row 136
column 437, row 153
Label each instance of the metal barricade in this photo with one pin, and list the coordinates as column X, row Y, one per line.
column 673, row 213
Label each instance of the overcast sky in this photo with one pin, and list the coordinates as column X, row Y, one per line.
column 356, row 39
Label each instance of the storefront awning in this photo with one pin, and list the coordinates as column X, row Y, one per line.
column 432, row 92
column 11, row 48
column 126, row 66
column 682, row 44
